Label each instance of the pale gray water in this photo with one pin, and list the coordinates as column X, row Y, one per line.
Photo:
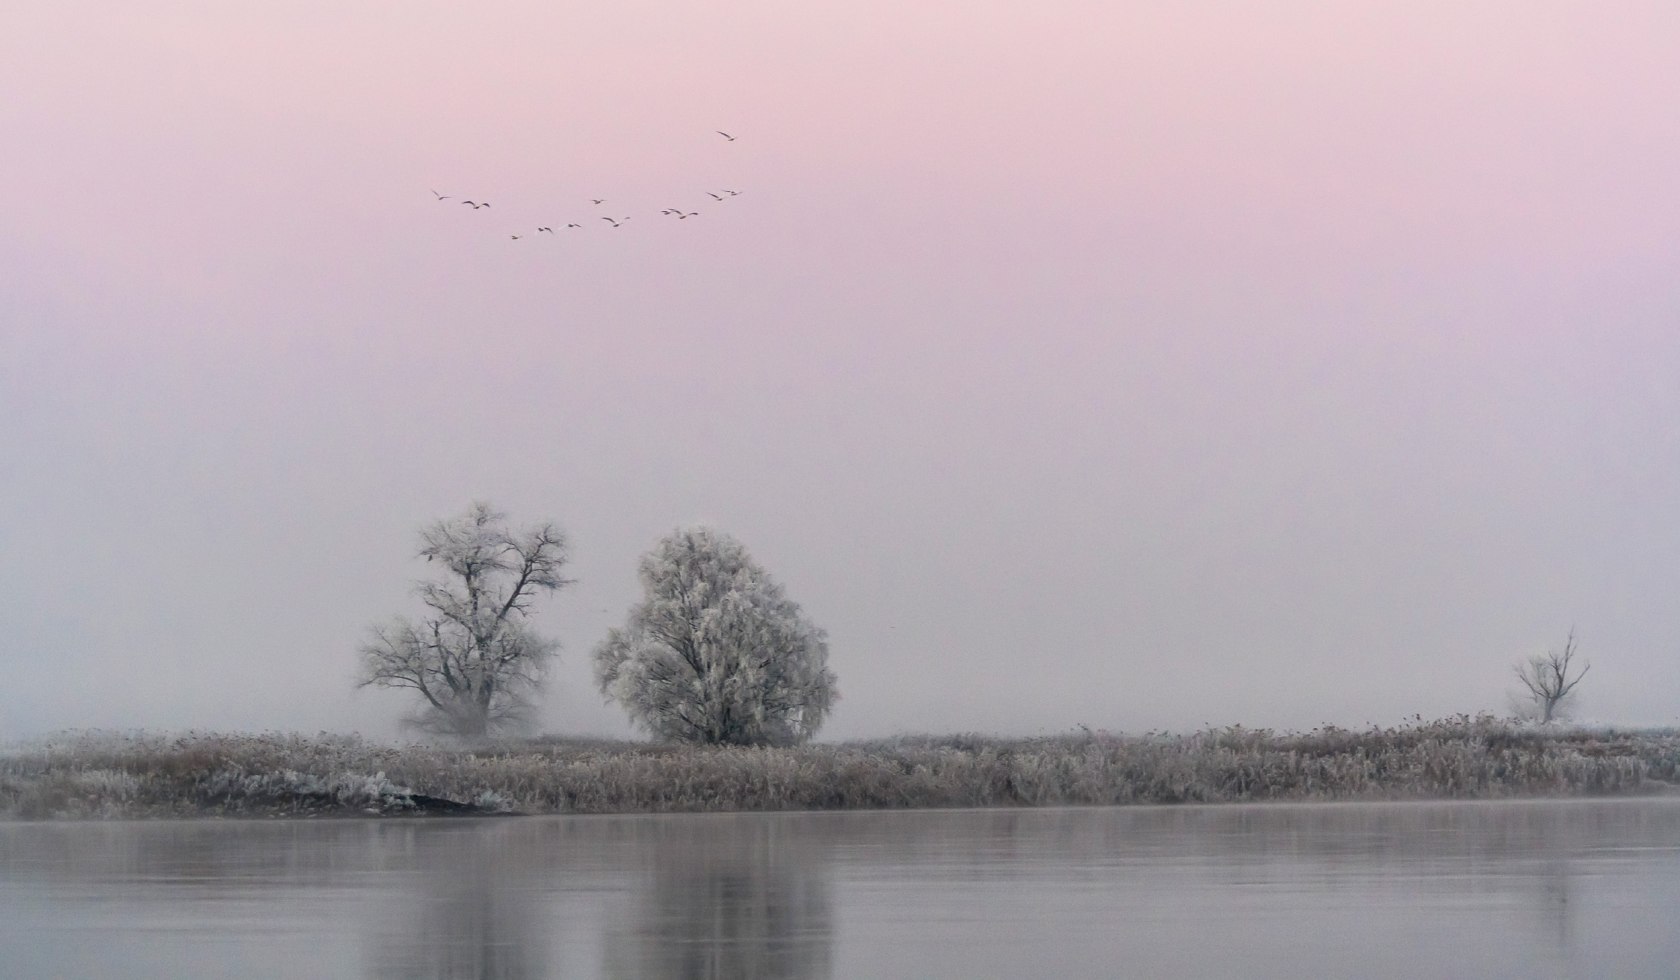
column 1536, row 889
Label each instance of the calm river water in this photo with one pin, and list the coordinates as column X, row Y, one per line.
column 1530, row 889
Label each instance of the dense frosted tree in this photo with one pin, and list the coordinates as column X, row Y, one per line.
column 474, row 658
column 1548, row 681
column 715, row 652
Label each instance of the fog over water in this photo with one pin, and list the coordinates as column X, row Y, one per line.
column 1545, row 889
column 1135, row 367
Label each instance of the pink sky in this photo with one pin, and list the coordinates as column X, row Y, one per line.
column 1129, row 365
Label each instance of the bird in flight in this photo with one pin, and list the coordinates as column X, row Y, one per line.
column 724, row 135
column 573, row 224
column 517, row 237
column 715, row 197
column 731, row 193
column 689, row 214
column 441, row 197
column 612, row 222
column 597, row 200
column 549, row 230
column 476, row 205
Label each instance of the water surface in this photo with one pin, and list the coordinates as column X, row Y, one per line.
column 1526, row 889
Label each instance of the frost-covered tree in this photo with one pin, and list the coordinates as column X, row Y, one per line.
column 715, row 653
column 1547, row 682
column 473, row 658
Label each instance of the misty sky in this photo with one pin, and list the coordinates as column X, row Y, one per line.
column 1129, row 365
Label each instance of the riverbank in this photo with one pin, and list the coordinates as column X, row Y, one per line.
column 106, row 775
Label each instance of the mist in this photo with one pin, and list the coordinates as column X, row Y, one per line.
column 1136, row 369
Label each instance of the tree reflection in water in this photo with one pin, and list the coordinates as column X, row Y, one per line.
column 476, row 915
column 728, row 897
column 1543, row 888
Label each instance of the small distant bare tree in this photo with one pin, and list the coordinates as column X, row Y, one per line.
column 473, row 658
column 715, row 652
column 1547, row 681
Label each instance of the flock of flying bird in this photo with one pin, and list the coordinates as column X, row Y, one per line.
column 720, row 195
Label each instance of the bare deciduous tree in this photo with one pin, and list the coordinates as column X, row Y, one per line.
column 715, row 653
column 473, row 658
column 1547, row 682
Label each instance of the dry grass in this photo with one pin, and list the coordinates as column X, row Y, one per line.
column 102, row 775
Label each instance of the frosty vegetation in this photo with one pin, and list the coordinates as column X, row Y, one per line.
column 715, row 653
column 97, row 775
column 473, row 660
column 1548, row 683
